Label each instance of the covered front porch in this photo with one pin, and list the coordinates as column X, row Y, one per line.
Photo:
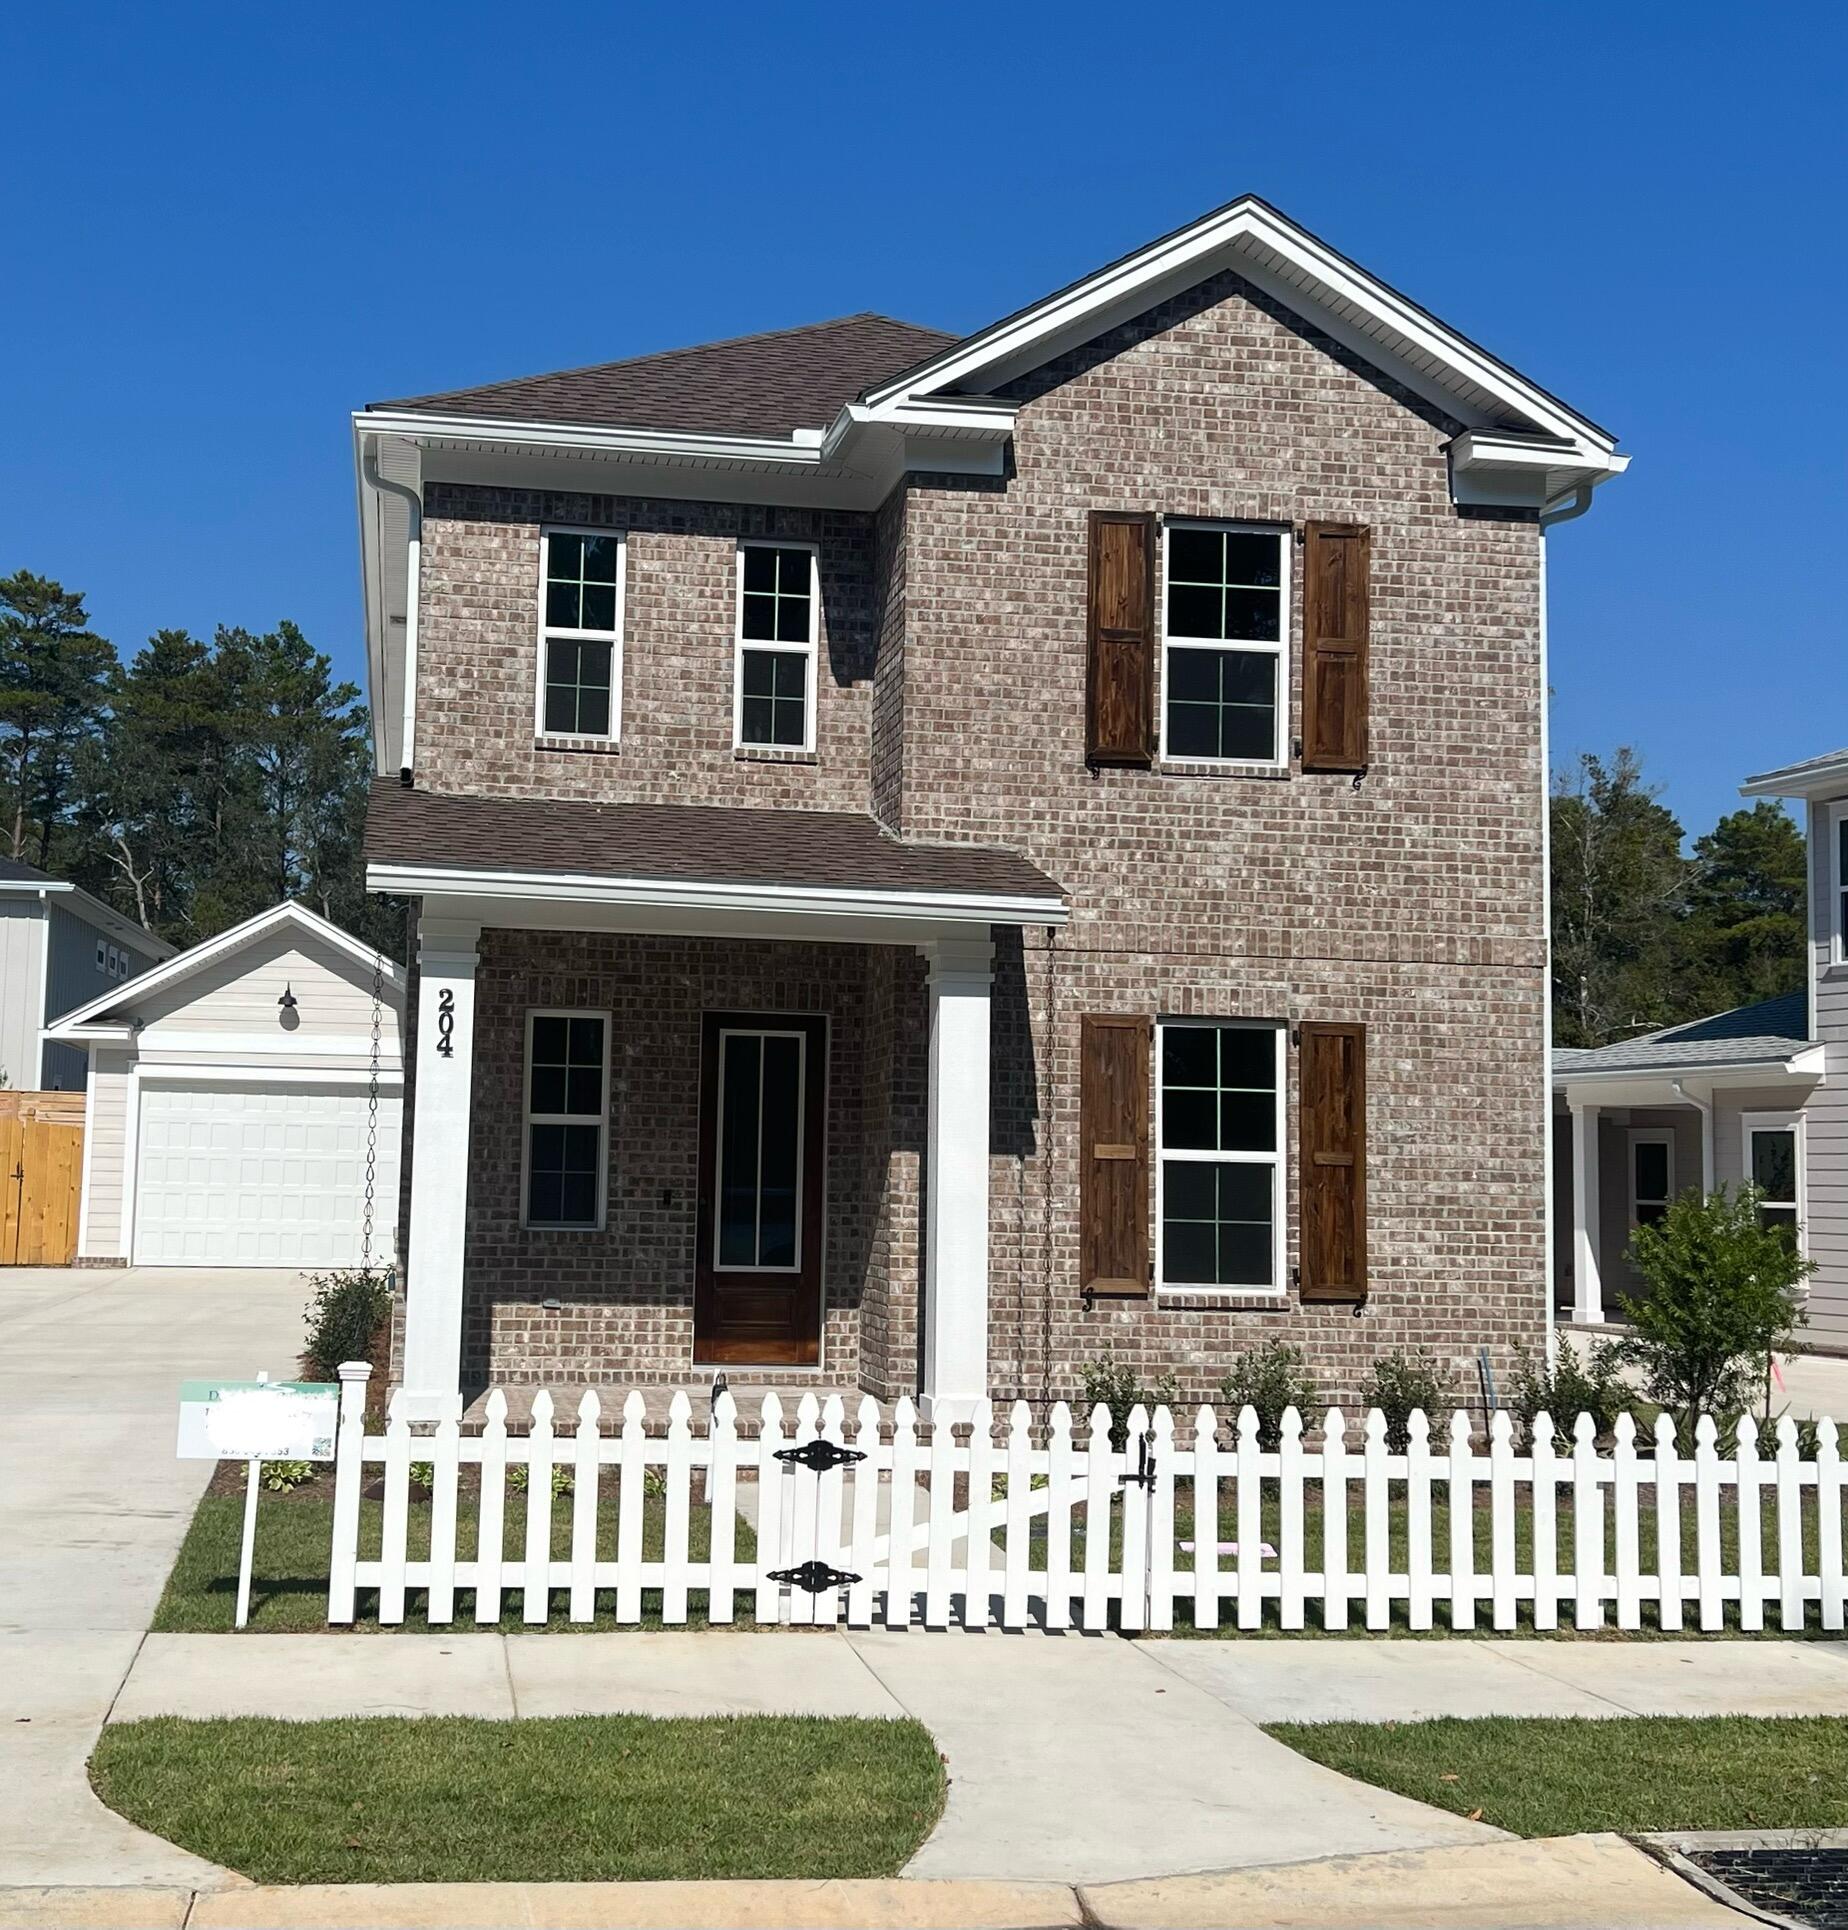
column 697, row 1091
column 1717, row 1103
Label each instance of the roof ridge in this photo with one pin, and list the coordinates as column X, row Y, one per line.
column 683, row 348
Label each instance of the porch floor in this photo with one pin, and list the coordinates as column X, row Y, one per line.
column 749, row 1396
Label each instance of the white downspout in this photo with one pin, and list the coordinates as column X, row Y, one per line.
column 369, row 465
column 1705, row 1108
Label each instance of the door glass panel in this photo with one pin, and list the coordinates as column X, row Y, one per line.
column 760, row 1150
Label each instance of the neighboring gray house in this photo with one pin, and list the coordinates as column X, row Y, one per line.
column 1760, row 1094
column 59, row 948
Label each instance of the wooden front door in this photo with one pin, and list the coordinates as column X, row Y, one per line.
column 763, row 1099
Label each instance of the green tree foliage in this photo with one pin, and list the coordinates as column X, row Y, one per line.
column 1645, row 936
column 1722, row 1296
column 193, row 786
column 54, row 673
column 1747, row 894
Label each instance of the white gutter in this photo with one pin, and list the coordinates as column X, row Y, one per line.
column 416, row 881
column 1806, row 1060
column 369, row 467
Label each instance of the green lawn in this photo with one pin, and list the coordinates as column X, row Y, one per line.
column 450, row 1799
column 1557, row 1775
column 294, row 1534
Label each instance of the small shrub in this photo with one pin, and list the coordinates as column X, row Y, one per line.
column 1116, row 1385
column 1722, row 1295
column 1571, row 1387
column 1402, row 1382
column 423, row 1475
column 1270, row 1378
column 284, row 1477
column 520, row 1478
column 349, row 1318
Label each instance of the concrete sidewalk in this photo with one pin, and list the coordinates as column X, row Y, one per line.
column 1027, row 1722
column 94, row 1508
column 1568, row 1883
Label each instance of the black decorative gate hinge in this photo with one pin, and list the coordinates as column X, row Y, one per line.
column 818, row 1456
column 814, row 1576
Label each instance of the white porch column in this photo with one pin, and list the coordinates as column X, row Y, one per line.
column 446, row 957
column 956, row 1226
column 1587, row 1287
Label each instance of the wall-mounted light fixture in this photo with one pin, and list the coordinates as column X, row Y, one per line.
column 287, row 1001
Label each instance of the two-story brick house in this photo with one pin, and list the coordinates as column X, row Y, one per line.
column 937, row 857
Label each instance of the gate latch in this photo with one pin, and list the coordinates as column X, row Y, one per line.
column 814, row 1576
column 1144, row 1476
column 818, row 1456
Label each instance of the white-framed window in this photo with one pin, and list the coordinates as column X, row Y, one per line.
column 102, row 955
column 1838, row 882
column 581, row 584
column 1219, row 1136
column 763, row 1103
column 1652, row 1173
column 115, row 962
column 779, row 622
column 566, row 1177
column 1772, row 1145
column 1225, row 632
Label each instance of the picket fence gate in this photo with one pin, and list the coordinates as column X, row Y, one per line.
column 1351, row 1530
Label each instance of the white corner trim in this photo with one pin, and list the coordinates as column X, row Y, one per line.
column 945, row 907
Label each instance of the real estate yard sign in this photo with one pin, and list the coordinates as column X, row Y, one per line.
column 256, row 1421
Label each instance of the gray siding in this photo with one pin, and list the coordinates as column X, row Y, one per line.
column 21, row 964
column 106, row 1130
column 1614, row 1222
column 1826, row 1115
column 75, row 978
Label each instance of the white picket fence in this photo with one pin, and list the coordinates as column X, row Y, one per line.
column 933, row 1527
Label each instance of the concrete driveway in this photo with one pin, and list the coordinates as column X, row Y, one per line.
column 93, row 1506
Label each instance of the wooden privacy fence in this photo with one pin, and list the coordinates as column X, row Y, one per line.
column 41, row 1177
column 923, row 1528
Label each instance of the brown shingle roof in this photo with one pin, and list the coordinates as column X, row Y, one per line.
column 684, row 843
column 763, row 385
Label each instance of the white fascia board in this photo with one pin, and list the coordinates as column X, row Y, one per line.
column 1816, row 781
column 65, row 1033
column 799, row 451
column 671, row 895
column 1489, row 468
column 1802, row 1067
column 1187, row 256
column 105, row 918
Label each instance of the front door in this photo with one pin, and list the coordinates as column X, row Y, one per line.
column 763, row 1098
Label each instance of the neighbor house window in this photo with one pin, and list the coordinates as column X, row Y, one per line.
column 102, row 955
column 580, row 638
column 1652, row 1175
column 567, row 1117
column 1225, row 618
column 778, row 615
column 1219, row 1146
column 1774, row 1164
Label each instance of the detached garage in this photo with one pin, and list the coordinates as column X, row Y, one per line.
column 237, row 1095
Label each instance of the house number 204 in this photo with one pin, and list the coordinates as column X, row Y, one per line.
column 446, row 1023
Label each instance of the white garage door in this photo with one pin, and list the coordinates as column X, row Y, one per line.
column 229, row 1176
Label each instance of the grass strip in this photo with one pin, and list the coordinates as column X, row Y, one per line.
column 455, row 1799
column 1558, row 1775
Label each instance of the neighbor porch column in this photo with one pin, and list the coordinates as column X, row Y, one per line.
column 956, row 1180
column 446, row 957
column 1587, row 1287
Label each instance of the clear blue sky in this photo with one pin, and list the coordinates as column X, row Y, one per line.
column 224, row 228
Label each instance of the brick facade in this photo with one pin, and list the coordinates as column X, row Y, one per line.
column 952, row 704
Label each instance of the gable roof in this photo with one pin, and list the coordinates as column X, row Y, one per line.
column 27, row 881
column 183, row 965
column 769, row 384
column 1769, row 1032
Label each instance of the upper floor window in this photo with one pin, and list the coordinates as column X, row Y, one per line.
column 580, row 636
column 1225, row 619
column 778, row 609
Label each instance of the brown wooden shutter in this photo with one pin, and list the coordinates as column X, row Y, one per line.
column 1113, row 1128
column 1120, row 725
column 1335, row 627
column 1333, row 1179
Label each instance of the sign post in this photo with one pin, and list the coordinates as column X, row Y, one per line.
column 256, row 1421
